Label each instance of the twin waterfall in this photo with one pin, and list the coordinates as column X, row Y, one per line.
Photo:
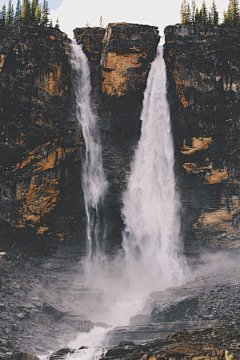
column 94, row 184
column 151, row 205
column 151, row 240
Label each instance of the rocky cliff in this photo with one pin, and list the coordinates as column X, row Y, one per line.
column 203, row 68
column 41, row 142
column 120, row 58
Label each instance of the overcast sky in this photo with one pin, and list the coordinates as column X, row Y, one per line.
column 160, row 13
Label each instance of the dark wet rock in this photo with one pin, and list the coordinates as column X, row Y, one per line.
column 41, row 143
column 202, row 344
column 50, row 310
column 142, row 333
column 117, row 94
column 61, row 354
column 22, row 356
column 187, row 307
column 203, row 71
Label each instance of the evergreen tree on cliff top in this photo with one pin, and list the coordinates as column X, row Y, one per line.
column 204, row 14
column 185, row 12
column 9, row 15
column 45, row 13
column 37, row 15
column 193, row 13
column 33, row 9
column 214, row 16
column 235, row 12
column 18, row 11
column 3, row 15
column 231, row 17
column 26, row 13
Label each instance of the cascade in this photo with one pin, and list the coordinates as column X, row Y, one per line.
column 94, row 183
column 151, row 239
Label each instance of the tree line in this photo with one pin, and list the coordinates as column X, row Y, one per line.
column 26, row 13
column 192, row 15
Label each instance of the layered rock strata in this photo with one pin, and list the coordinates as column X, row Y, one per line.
column 120, row 58
column 203, row 83
column 41, row 142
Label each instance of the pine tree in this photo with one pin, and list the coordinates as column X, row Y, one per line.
column 9, row 19
column 224, row 17
column 37, row 15
column 183, row 12
column 204, row 14
column 235, row 12
column 193, row 13
column 3, row 15
column 214, row 14
column 232, row 17
column 101, row 24
column 45, row 13
column 26, row 13
column 228, row 16
column 17, row 16
column 12, row 16
column 57, row 26
column 51, row 23
column 197, row 17
column 33, row 10
column 2, row 19
column 188, row 15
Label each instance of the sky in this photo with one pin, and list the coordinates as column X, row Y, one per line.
column 160, row 13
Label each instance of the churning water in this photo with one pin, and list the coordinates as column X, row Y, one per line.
column 151, row 256
column 152, row 235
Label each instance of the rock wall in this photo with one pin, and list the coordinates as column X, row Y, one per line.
column 203, row 68
column 119, row 69
column 41, row 143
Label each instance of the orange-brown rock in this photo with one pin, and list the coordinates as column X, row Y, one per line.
column 40, row 139
column 120, row 57
column 40, row 142
column 203, row 75
column 206, row 344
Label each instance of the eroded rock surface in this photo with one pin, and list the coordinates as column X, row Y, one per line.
column 203, row 70
column 119, row 69
column 41, row 143
column 203, row 344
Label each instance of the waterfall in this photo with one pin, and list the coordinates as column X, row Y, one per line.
column 151, row 239
column 94, row 183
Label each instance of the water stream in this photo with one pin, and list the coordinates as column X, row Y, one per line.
column 151, row 239
column 151, row 257
column 94, row 183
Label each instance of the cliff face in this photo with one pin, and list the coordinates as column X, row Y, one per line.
column 203, row 67
column 119, row 69
column 41, row 142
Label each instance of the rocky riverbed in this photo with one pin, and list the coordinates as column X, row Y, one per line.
column 44, row 305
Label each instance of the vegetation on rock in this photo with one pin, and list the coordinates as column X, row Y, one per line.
column 203, row 16
column 26, row 13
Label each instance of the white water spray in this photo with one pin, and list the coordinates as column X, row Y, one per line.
column 152, row 234
column 94, row 183
column 151, row 239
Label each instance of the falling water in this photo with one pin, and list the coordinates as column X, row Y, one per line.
column 151, row 240
column 151, row 205
column 94, row 183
